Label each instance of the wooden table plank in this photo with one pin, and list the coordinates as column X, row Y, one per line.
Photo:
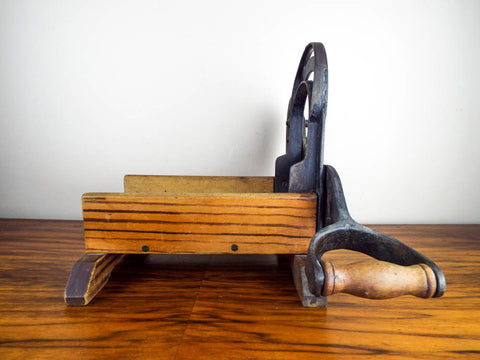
column 142, row 312
column 226, row 306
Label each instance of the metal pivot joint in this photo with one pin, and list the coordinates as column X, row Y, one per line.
column 301, row 169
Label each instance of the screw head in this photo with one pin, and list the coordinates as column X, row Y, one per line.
column 145, row 248
column 234, row 247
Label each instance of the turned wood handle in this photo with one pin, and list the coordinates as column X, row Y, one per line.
column 374, row 279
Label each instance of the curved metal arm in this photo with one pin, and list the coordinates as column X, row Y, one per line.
column 342, row 232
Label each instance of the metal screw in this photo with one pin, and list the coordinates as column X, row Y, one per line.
column 145, row 248
column 234, row 247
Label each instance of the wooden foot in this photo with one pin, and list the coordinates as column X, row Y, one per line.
column 89, row 275
column 301, row 283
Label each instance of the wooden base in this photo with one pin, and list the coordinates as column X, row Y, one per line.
column 189, row 215
column 89, row 275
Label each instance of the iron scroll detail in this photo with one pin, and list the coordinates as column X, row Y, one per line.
column 300, row 169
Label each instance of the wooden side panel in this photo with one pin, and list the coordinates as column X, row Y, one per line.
column 157, row 184
column 199, row 223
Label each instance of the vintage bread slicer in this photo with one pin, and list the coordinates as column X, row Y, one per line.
column 300, row 212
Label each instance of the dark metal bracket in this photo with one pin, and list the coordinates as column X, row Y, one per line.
column 301, row 169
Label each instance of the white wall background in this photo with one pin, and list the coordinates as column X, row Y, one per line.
column 93, row 90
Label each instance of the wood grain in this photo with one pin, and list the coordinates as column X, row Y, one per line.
column 199, row 223
column 159, row 184
column 226, row 306
column 89, row 275
column 375, row 279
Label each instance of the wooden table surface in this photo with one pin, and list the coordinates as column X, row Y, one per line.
column 226, row 307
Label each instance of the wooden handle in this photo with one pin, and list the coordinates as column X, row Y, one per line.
column 374, row 279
